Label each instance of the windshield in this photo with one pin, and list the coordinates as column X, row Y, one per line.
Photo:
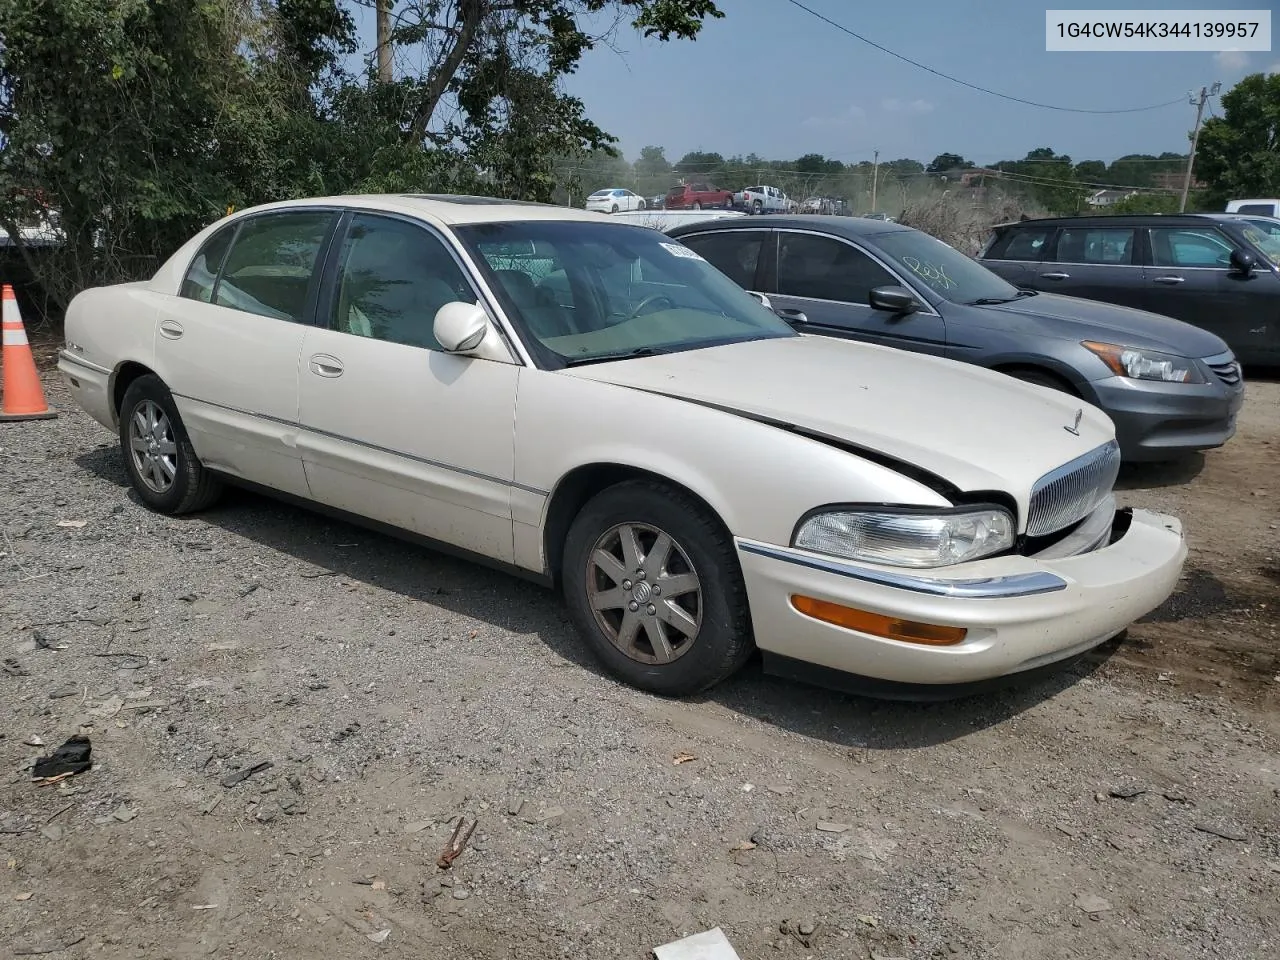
column 1265, row 235
column 581, row 292
column 943, row 269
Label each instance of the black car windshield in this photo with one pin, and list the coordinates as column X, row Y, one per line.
column 582, row 292
column 1265, row 235
column 943, row 269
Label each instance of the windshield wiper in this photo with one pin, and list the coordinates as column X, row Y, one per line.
column 988, row 301
column 621, row 355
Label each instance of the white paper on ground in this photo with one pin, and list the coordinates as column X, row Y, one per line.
column 711, row 945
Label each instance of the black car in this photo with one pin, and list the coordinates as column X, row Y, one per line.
column 1216, row 271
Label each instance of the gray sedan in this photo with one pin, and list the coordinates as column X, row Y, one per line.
column 1171, row 388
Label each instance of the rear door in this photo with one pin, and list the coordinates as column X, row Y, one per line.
column 229, row 344
column 1096, row 263
column 1190, row 278
column 823, row 287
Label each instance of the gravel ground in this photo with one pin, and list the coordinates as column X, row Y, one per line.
column 1125, row 808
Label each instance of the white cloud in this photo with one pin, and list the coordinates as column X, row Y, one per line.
column 894, row 105
column 1232, row 60
column 853, row 114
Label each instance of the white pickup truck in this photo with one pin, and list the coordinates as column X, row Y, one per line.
column 762, row 200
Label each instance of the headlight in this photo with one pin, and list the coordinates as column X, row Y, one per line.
column 908, row 539
column 1145, row 364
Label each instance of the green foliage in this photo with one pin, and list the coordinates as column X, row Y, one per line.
column 1239, row 152
column 1145, row 203
column 135, row 122
column 945, row 162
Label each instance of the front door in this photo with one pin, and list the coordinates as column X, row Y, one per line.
column 1190, row 278
column 393, row 428
column 229, row 343
column 824, row 285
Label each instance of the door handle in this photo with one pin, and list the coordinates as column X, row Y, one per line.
column 323, row 365
column 1056, row 276
column 792, row 316
column 170, row 329
column 1169, row 279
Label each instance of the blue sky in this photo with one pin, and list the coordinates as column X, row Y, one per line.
column 772, row 80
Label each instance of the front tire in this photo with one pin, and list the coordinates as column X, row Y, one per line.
column 697, row 205
column 653, row 584
column 158, row 457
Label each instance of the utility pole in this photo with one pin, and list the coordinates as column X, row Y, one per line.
column 385, row 74
column 875, row 177
column 1198, row 102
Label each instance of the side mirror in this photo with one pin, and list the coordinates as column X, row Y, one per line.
column 460, row 327
column 764, row 301
column 895, row 300
column 1244, row 261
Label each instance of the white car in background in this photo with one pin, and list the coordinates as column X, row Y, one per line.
column 762, row 200
column 591, row 404
column 615, row 200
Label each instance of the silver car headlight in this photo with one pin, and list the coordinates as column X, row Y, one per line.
column 1145, row 364
column 908, row 539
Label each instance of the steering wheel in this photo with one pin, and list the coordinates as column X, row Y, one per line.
column 650, row 301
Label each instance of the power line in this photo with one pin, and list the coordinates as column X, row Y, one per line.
column 966, row 83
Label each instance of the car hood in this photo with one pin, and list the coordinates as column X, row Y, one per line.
column 976, row 429
column 1075, row 318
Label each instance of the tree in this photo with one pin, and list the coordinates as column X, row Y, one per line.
column 946, row 162
column 1239, row 152
column 1091, row 171
column 652, row 171
column 696, row 163
column 1145, row 203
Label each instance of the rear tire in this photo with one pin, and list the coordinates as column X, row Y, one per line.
column 623, row 547
column 158, row 457
column 615, row 209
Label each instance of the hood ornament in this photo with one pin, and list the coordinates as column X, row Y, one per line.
column 1074, row 429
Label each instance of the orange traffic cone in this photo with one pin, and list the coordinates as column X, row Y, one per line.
column 23, row 395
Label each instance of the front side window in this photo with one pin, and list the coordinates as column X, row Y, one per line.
column 202, row 275
column 1174, row 247
column 735, row 253
column 614, row 290
column 392, row 278
column 824, row 268
column 1103, row 246
column 269, row 268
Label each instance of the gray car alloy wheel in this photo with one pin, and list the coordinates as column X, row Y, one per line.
column 153, row 447
column 644, row 593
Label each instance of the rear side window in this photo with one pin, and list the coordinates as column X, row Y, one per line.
column 1096, row 245
column 1021, row 243
column 735, row 253
column 1263, row 209
column 203, row 273
column 269, row 269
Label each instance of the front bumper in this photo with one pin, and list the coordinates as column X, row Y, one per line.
column 1021, row 613
column 1161, row 421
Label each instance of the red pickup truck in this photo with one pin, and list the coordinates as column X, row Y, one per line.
column 696, row 195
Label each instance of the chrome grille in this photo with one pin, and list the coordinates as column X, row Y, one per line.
column 1071, row 492
column 1228, row 373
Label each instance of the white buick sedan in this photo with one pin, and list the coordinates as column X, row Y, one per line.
column 592, row 405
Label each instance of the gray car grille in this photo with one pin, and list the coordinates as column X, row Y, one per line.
column 1228, row 373
column 1071, row 492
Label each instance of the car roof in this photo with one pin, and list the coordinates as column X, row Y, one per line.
column 825, row 223
column 1121, row 220
column 451, row 209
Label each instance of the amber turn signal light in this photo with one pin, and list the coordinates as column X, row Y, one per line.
column 877, row 624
